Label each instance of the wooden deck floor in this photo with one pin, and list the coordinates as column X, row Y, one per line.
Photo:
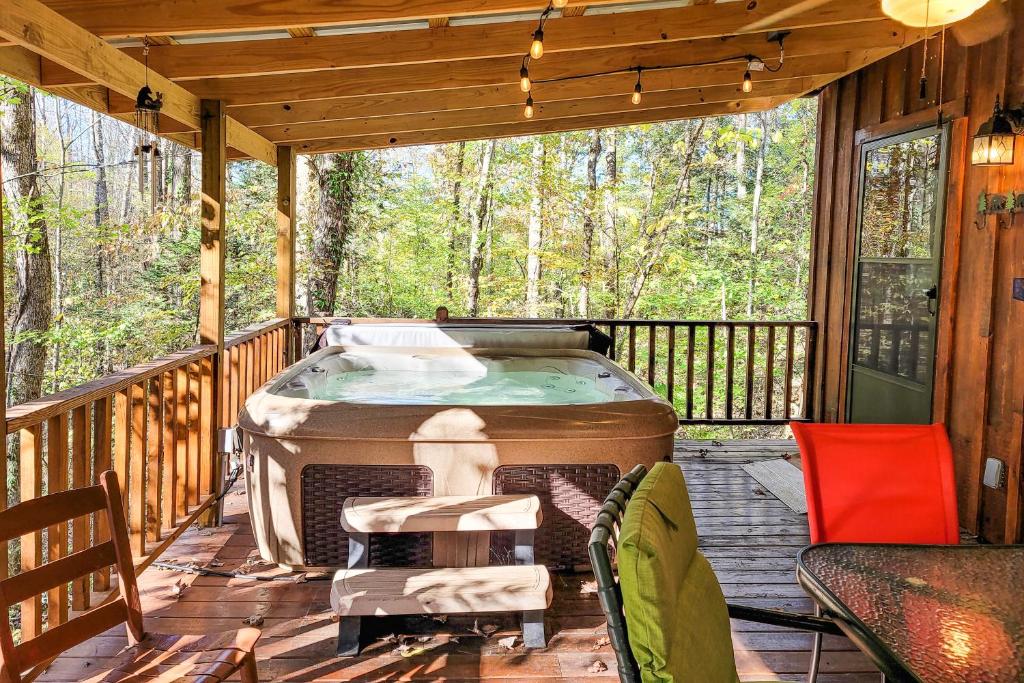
column 750, row 538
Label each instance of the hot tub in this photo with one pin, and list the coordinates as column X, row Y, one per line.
column 356, row 421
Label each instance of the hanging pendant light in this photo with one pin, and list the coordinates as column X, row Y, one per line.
column 924, row 13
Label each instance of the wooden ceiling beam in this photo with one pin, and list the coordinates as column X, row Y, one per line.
column 589, row 107
column 457, row 43
column 287, row 89
column 537, row 126
column 310, row 111
column 35, row 27
column 139, row 18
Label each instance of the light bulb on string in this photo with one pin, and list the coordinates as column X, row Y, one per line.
column 637, row 89
column 524, row 80
column 537, row 48
column 748, row 82
column 528, row 112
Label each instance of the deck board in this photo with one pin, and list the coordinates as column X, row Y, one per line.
column 750, row 539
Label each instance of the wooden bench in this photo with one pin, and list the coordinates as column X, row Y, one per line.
column 462, row 581
column 153, row 657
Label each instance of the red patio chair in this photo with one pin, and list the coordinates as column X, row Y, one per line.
column 877, row 484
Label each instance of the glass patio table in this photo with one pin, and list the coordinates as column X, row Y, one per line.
column 925, row 613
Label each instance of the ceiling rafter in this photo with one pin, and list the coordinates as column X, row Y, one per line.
column 495, row 96
column 35, row 27
column 456, row 43
column 536, row 126
column 592, row 106
column 440, row 76
column 138, row 18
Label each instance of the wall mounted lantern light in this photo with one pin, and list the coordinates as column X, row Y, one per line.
column 994, row 141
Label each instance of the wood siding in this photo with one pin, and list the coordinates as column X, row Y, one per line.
column 979, row 383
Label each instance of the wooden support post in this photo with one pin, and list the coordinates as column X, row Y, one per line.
column 286, row 203
column 211, row 292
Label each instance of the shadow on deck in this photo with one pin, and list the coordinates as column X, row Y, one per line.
column 749, row 536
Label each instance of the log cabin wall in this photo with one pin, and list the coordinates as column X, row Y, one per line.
column 979, row 365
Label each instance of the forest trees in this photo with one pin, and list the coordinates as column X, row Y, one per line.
column 693, row 219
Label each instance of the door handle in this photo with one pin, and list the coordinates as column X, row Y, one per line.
column 932, row 293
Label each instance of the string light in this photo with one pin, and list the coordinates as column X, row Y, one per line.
column 537, row 48
column 638, row 89
column 753, row 63
column 559, row 3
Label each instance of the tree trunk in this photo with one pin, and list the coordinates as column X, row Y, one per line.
column 334, row 178
column 101, row 218
column 456, row 218
column 535, row 228
column 589, row 220
column 609, row 233
column 755, row 213
column 481, row 200
column 741, row 160
column 32, row 300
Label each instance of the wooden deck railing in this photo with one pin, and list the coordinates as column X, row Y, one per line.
column 252, row 356
column 713, row 371
column 150, row 423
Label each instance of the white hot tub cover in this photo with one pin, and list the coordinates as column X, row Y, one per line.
column 463, row 335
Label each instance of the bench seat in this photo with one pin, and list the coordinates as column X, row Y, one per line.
column 450, row 590
column 440, row 513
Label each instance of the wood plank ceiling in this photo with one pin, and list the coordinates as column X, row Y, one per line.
column 326, row 76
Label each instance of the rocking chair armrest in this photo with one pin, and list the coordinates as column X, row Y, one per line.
column 775, row 617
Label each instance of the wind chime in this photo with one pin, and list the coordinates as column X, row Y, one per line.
column 147, row 119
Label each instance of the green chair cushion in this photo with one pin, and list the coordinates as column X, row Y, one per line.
column 677, row 620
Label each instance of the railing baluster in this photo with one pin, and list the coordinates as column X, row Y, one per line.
column 122, row 439
column 169, row 452
column 670, row 370
column 234, row 387
column 652, row 340
column 691, row 332
column 154, row 460
column 195, row 389
column 613, row 333
column 57, row 535
column 103, row 409
column 31, row 486
column 632, row 348
column 810, row 345
column 730, row 364
column 710, row 402
column 769, row 374
column 748, row 391
column 81, row 457
column 137, row 470
column 181, row 437
column 207, row 449
column 789, row 370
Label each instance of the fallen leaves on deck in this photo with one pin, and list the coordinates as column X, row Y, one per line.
column 597, row 667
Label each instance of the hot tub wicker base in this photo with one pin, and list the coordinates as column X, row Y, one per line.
column 324, row 490
column 570, row 496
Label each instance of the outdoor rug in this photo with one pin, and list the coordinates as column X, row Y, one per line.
column 782, row 479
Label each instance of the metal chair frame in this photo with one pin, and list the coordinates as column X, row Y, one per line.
column 605, row 533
